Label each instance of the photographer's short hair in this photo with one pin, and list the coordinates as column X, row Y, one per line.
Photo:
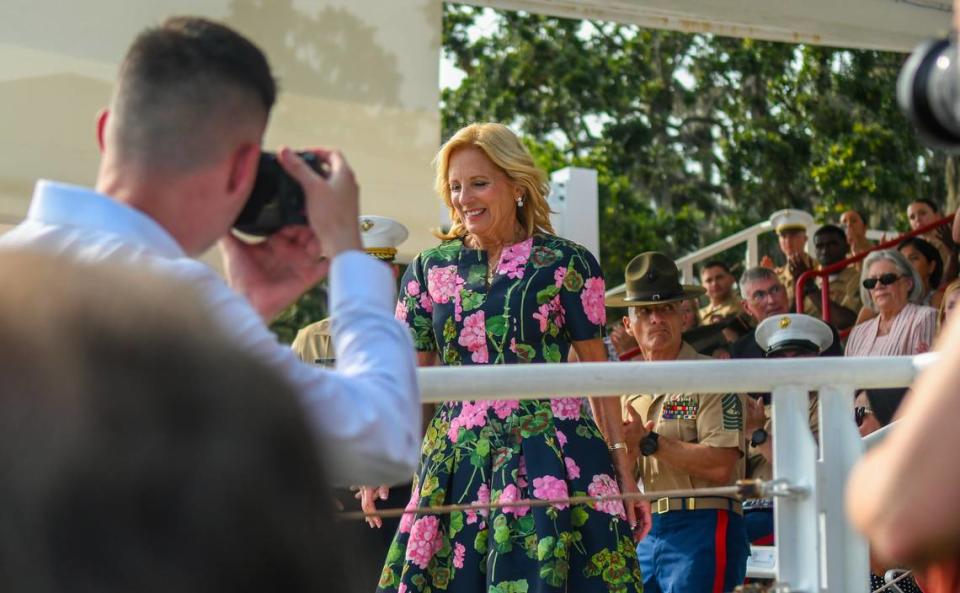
column 753, row 275
column 904, row 268
column 186, row 91
column 142, row 450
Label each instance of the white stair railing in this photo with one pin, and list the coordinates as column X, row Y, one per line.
column 817, row 551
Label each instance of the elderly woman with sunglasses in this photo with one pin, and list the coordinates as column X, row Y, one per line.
column 891, row 287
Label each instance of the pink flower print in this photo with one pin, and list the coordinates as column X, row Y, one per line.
column 604, row 485
column 543, row 316
column 424, row 542
column 472, row 415
column 426, row 303
column 573, row 470
column 413, row 288
column 556, row 307
column 512, row 494
column 401, row 311
column 459, row 552
column 566, row 408
column 513, row 259
column 592, row 299
column 406, row 522
column 474, row 337
column 403, row 588
column 483, row 497
column 443, row 283
column 504, row 407
column 558, row 275
column 561, row 439
column 550, row 488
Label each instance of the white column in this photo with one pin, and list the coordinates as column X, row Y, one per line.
column 795, row 517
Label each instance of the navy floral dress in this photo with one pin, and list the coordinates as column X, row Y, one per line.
column 546, row 292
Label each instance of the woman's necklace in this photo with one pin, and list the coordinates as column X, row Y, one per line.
column 493, row 258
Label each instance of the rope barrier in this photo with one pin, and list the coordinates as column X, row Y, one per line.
column 743, row 490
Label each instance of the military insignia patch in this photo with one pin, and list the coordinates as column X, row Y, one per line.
column 679, row 409
column 732, row 412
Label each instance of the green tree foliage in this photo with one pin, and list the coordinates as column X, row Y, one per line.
column 693, row 136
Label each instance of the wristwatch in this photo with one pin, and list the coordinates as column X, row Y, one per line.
column 649, row 444
column 759, row 437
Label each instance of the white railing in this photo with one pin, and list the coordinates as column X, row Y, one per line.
column 752, row 256
column 817, row 551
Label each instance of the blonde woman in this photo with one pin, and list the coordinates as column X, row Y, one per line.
column 951, row 294
column 501, row 288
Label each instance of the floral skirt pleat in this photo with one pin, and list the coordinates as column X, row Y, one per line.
column 500, row 451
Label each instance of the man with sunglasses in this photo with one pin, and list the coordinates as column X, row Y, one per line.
column 763, row 297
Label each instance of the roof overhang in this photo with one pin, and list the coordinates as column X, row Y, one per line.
column 892, row 25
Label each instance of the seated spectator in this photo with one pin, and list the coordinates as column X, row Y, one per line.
column 716, row 278
column 856, row 232
column 764, row 297
column 891, row 287
column 923, row 212
column 147, row 452
column 690, row 314
column 844, row 290
column 791, row 228
column 948, row 303
column 925, row 259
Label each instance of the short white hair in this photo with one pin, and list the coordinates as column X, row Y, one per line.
column 904, row 268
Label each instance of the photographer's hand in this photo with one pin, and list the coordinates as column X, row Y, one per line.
column 272, row 274
column 333, row 204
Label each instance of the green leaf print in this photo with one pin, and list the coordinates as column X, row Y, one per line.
column 525, row 352
column 525, row 524
column 476, row 274
column 544, row 296
column 497, row 325
column 388, row 578
column 451, row 356
column 551, row 352
column 441, row 578
column 456, row 523
column 510, row 587
column 501, row 538
column 448, row 250
column 554, row 573
column 578, row 516
column 543, row 256
column 394, row 554
column 480, row 542
column 449, row 330
column 432, row 483
column 545, row 548
column 483, row 447
column 572, row 281
column 471, row 300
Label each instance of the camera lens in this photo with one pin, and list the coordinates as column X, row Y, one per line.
column 928, row 91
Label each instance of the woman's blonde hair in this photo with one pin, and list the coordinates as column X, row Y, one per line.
column 505, row 150
column 942, row 314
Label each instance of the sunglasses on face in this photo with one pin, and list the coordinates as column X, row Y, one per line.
column 885, row 279
column 860, row 414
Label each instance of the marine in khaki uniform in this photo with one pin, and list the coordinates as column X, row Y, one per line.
column 716, row 278
column 791, row 228
column 844, row 286
column 381, row 236
column 685, row 441
column 779, row 336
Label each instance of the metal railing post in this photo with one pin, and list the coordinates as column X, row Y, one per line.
column 795, row 516
column 844, row 554
column 753, row 252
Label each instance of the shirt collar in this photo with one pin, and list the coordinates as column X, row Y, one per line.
column 71, row 205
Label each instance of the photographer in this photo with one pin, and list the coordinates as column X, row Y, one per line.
column 180, row 147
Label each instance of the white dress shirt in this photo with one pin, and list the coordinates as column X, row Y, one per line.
column 367, row 411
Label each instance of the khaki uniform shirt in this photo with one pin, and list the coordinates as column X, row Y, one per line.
column 713, row 419
column 787, row 279
column 314, row 344
column 757, row 465
column 844, row 291
column 727, row 308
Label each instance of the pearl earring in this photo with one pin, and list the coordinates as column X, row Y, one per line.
column 520, row 201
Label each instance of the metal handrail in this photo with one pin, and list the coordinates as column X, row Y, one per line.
column 824, row 272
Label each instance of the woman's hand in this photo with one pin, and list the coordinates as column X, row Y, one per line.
column 638, row 511
column 367, row 496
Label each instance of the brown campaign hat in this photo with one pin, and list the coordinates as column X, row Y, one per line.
column 652, row 278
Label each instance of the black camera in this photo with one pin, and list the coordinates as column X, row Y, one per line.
column 277, row 199
column 928, row 91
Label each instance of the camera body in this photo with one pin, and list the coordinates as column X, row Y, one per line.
column 928, row 91
column 277, row 199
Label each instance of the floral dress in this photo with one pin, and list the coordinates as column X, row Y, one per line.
column 545, row 293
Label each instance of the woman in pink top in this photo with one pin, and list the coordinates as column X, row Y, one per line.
column 891, row 286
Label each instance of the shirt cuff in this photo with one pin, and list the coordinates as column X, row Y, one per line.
column 357, row 277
